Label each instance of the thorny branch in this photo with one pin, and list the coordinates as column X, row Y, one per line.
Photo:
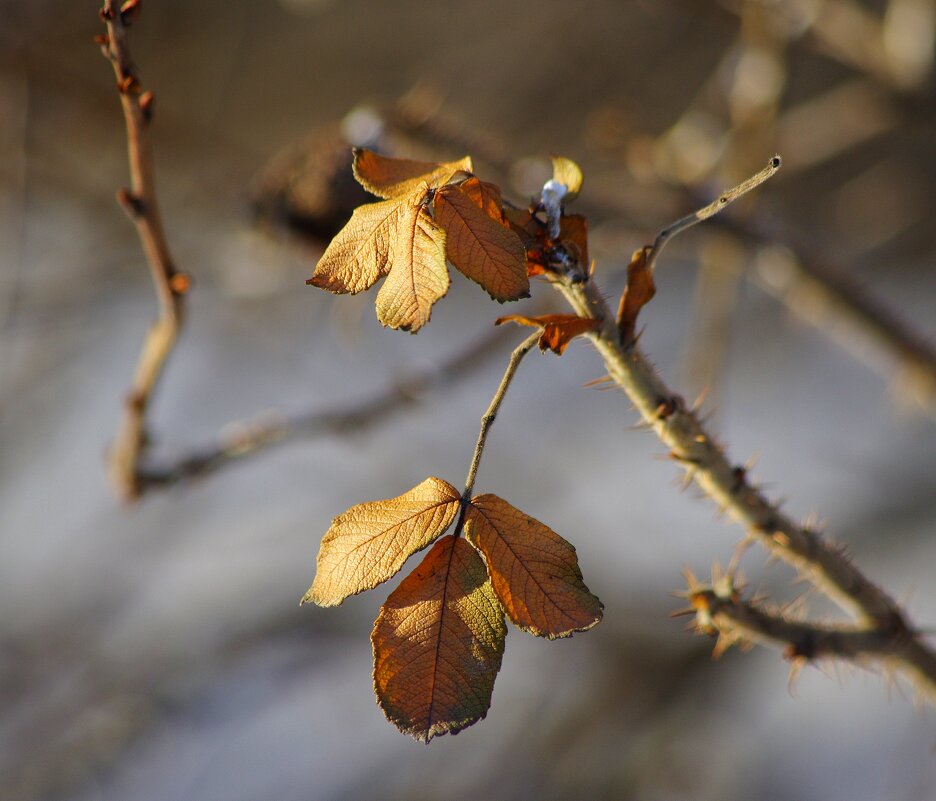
column 821, row 562
column 140, row 203
column 721, row 611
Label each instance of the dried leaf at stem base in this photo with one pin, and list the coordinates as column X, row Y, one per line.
column 638, row 293
column 438, row 643
column 369, row 543
column 558, row 329
column 533, row 570
column 545, row 255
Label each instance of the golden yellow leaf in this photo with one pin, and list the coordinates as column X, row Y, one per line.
column 558, row 329
column 369, row 543
column 418, row 275
column 360, row 252
column 438, row 643
column 389, row 177
column 484, row 250
column 534, row 571
column 567, row 172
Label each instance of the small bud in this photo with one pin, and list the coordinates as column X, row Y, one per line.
column 130, row 12
column 146, row 105
column 180, row 283
column 128, row 85
column 130, row 203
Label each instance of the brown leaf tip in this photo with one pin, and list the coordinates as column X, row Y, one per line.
column 534, row 571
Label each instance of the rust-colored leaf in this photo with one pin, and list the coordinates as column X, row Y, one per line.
column 369, row 543
column 638, row 293
column 438, row 643
column 389, row 177
column 568, row 173
column 361, row 251
column 418, row 275
column 481, row 248
column 534, row 571
column 558, row 329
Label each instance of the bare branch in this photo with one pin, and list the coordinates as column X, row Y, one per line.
column 140, row 203
column 251, row 437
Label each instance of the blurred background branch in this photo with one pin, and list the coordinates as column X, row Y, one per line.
column 142, row 207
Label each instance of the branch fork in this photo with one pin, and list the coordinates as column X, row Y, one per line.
column 881, row 630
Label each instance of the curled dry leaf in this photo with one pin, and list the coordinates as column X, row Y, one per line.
column 534, row 571
column 638, row 293
column 391, row 177
column 568, row 173
column 480, row 247
column 438, row 643
column 558, row 329
column 418, row 275
column 369, row 543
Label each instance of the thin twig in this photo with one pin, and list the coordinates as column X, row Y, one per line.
column 491, row 414
column 711, row 209
column 139, row 201
column 728, row 485
column 251, row 437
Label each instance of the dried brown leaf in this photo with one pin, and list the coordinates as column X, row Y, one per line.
column 438, row 643
column 534, row 571
column 369, row 543
column 482, row 249
column 638, row 293
column 558, row 329
column 418, row 275
column 389, row 177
